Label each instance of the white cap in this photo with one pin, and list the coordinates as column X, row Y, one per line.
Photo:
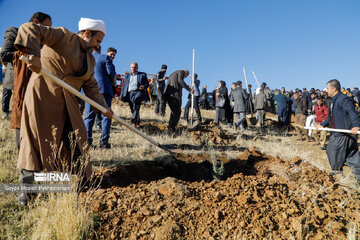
column 92, row 24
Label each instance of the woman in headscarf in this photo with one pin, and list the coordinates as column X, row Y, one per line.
column 223, row 108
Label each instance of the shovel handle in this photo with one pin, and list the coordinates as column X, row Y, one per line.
column 94, row 104
column 331, row 130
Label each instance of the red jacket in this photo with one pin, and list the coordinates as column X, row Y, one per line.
column 321, row 113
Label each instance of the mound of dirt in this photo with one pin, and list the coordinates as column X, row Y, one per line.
column 209, row 132
column 259, row 196
column 204, row 133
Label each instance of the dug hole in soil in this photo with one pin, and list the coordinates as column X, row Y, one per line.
column 258, row 196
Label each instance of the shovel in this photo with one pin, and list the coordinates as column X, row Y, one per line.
column 193, row 124
column 101, row 108
column 331, row 130
column 252, row 119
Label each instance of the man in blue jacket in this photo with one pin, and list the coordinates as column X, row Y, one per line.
column 281, row 100
column 134, row 91
column 342, row 148
column 104, row 74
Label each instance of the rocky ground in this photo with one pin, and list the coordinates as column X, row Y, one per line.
column 207, row 195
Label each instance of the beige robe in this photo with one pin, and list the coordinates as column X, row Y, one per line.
column 46, row 104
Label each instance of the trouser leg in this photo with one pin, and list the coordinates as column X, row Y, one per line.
column 26, row 176
column 162, row 104
column 322, row 139
column 336, row 151
column 217, row 116
column 5, row 101
column 315, row 135
column 175, row 107
column 186, row 109
column 261, row 116
column 157, row 105
column 196, row 106
column 135, row 100
column 106, row 122
column 89, row 120
column 98, row 119
column 241, row 116
column 353, row 156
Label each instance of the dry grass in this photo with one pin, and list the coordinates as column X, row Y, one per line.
column 8, row 153
column 61, row 216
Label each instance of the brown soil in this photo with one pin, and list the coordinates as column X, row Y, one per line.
column 258, row 196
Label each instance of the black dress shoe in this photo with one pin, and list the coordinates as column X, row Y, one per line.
column 105, row 145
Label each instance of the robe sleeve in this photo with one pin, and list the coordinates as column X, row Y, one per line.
column 91, row 89
column 30, row 37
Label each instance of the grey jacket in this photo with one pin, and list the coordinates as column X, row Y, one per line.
column 260, row 101
column 175, row 84
column 7, row 54
column 239, row 97
column 196, row 89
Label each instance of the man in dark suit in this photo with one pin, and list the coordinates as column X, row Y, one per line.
column 342, row 148
column 134, row 91
column 173, row 95
column 104, row 74
column 160, row 85
column 239, row 97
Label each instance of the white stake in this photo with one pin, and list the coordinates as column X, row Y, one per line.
column 193, row 86
column 247, row 89
column 256, row 79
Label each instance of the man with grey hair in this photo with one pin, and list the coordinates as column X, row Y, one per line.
column 342, row 147
column 50, row 113
column 134, row 91
column 173, row 95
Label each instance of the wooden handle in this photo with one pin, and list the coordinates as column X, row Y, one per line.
column 331, row 130
column 93, row 103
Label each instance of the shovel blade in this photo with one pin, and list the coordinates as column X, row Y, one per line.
column 192, row 124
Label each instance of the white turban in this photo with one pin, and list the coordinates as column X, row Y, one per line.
column 92, row 24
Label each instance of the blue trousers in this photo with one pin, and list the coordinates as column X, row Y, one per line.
column 135, row 104
column 282, row 115
column 105, row 123
column 196, row 106
column 241, row 117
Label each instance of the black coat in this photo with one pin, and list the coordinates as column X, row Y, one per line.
column 344, row 113
column 226, row 112
column 175, row 84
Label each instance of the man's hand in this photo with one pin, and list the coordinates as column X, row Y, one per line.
column 35, row 64
column 164, row 78
column 354, row 130
column 192, row 91
column 109, row 113
column 141, row 87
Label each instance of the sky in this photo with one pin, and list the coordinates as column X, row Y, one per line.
column 287, row 43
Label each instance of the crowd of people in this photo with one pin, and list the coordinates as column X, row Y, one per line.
column 77, row 59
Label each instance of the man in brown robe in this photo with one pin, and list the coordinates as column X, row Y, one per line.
column 21, row 76
column 50, row 112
